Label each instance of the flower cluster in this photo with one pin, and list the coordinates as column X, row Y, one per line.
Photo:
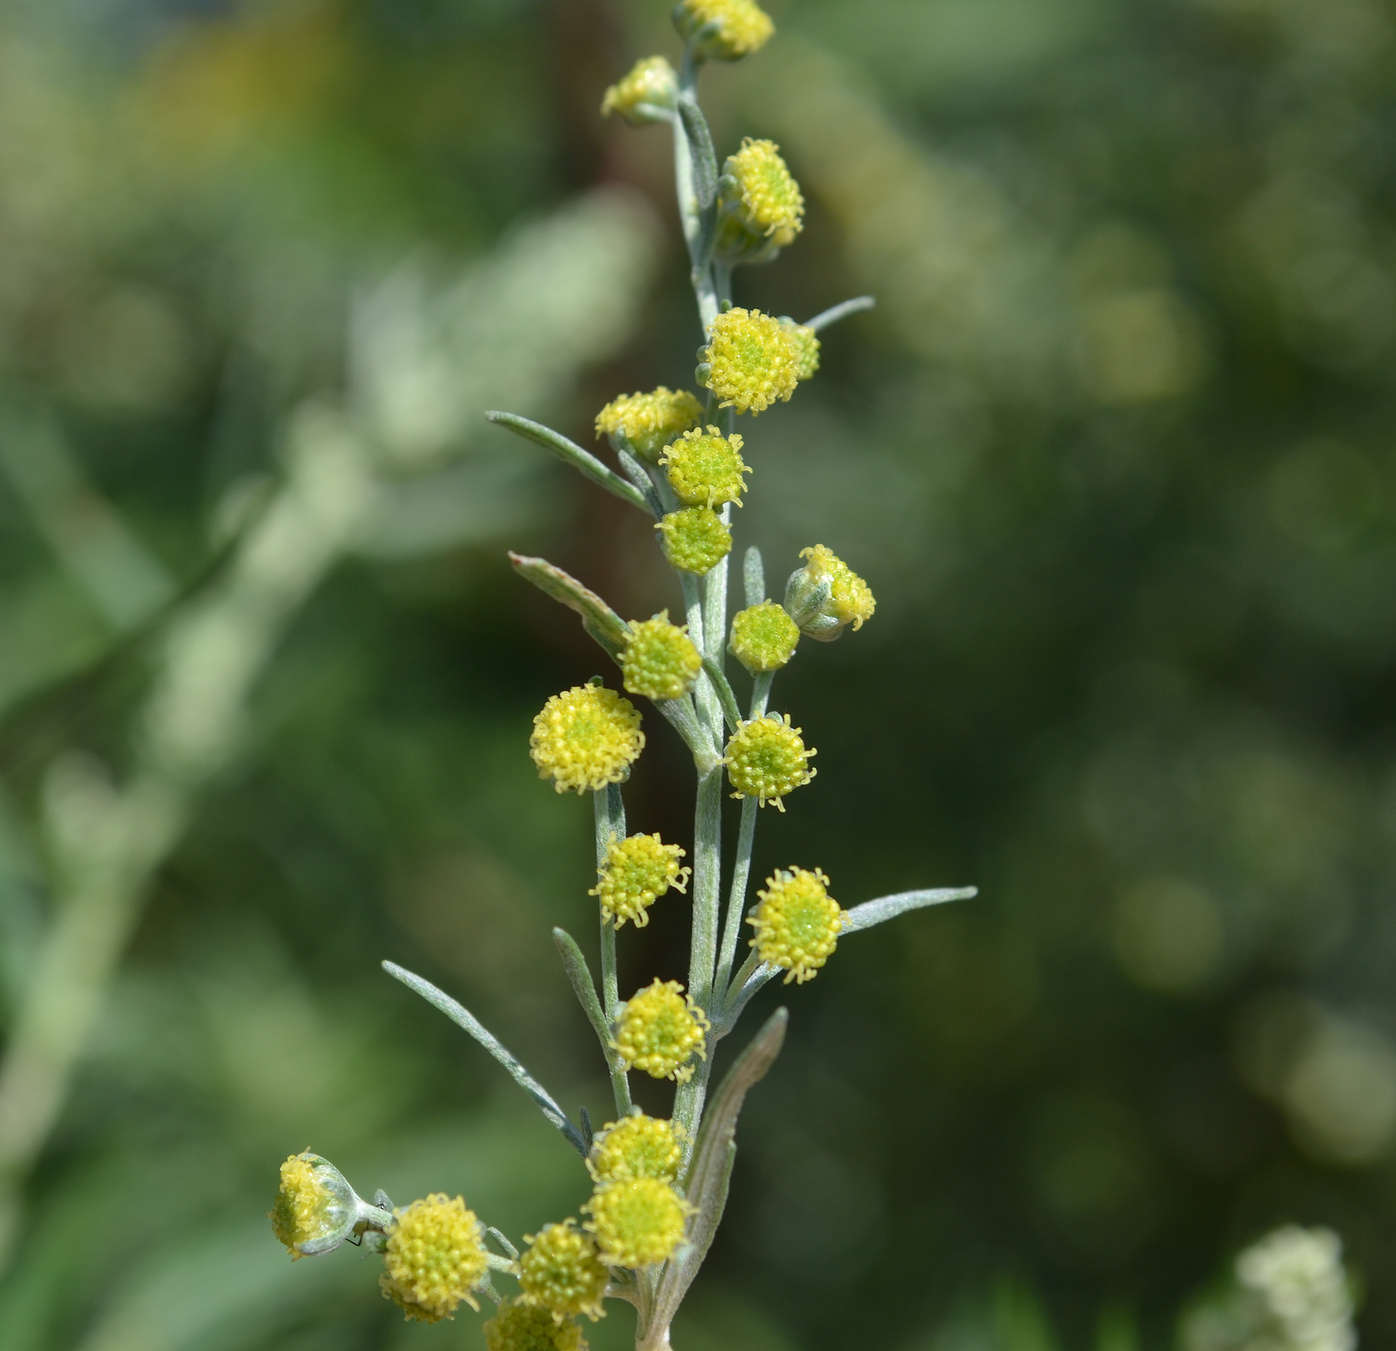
column 797, row 923
column 705, row 468
column 766, row 759
column 660, row 1030
column 435, row 1258
column 636, row 872
column 585, row 738
column 659, row 661
column 648, row 422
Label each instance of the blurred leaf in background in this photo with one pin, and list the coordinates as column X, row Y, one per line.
column 1115, row 453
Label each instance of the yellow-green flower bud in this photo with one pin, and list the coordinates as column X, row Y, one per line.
column 636, row 873
column 521, row 1327
column 797, row 923
column 826, row 596
column 645, row 94
column 561, row 1271
column 763, row 637
column 435, row 1257
column 723, row 29
column 806, row 342
column 750, row 361
column 585, row 738
column 660, row 1030
column 694, row 539
column 637, row 1223
column 760, row 207
column 637, row 1146
column 766, row 760
column 659, row 660
column 649, row 421
column 705, row 468
column 315, row 1208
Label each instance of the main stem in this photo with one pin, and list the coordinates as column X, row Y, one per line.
column 610, row 822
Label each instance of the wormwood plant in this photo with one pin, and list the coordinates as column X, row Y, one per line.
column 659, row 1186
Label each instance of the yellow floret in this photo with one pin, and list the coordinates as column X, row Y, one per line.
column 705, row 468
column 738, row 27
column 585, row 738
column 637, row 1223
column 650, row 421
column 521, row 1327
column 769, row 202
column 694, row 539
column 435, row 1257
column 650, row 81
column 806, row 342
column 637, row 1146
column 797, row 923
column 850, row 597
column 636, row 873
column 766, row 759
column 314, row 1203
column 764, row 637
column 660, row 1030
column 750, row 361
column 659, row 660
column 561, row 1271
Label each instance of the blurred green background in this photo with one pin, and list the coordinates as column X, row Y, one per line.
column 1114, row 452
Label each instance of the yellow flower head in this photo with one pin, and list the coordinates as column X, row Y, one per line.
column 750, row 361
column 659, row 660
column 725, row 29
column 660, row 1030
column 797, row 923
column 650, row 421
column 763, row 637
column 762, row 196
column 694, row 539
column 637, row 1222
column 637, row 1146
column 650, row 83
column 705, row 468
column 521, row 1327
column 636, row 873
column 435, row 1257
column 806, row 342
column 766, row 760
column 585, row 738
column 826, row 596
column 315, row 1208
column 561, row 1272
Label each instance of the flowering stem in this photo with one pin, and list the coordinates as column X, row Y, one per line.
column 610, row 822
column 760, row 692
column 707, row 873
column 736, row 900
column 691, row 212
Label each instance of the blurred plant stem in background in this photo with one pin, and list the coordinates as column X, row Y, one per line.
column 517, row 327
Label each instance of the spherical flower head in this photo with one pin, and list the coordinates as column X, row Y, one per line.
column 650, row 421
column 660, row 1030
column 637, row 1146
column 637, row 1223
column 760, row 195
column 750, row 361
column 705, row 468
column 315, row 1208
column 659, row 660
column 767, row 760
column 560, row 1271
column 585, row 738
column 694, row 539
column 763, row 637
column 723, row 29
column 797, row 923
column 522, row 1327
column 806, row 342
column 435, row 1257
column 826, row 596
column 636, row 873
column 644, row 93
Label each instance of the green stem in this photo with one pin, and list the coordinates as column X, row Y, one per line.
column 736, row 900
column 760, row 692
column 707, row 875
column 610, row 821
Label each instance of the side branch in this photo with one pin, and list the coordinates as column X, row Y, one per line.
column 583, row 461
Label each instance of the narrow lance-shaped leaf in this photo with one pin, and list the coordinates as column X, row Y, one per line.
column 841, row 311
column 462, row 1017
column 599, row 620
column 571, row 453
column 711, row 1170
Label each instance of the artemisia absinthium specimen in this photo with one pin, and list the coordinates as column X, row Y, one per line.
column 657, row 1186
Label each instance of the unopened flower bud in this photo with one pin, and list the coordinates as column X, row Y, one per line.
column 766, row 759
column 659, row 660
column 826, row 596
column 645, row 94
column 694, row 539
column 763, row 637
column 725, row 30
column 705, row 468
